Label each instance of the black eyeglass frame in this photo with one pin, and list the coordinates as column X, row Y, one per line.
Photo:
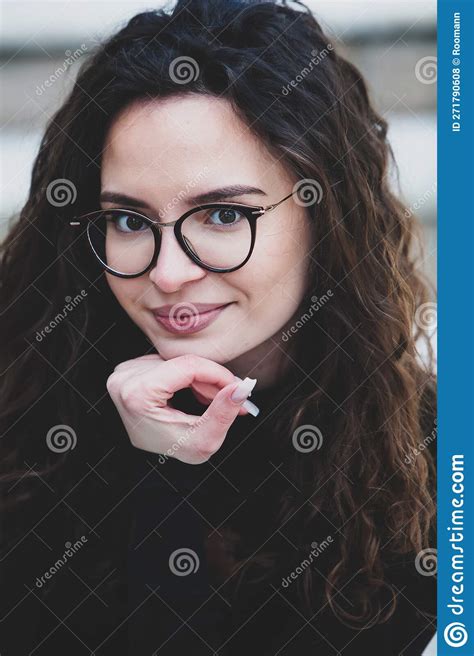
column 251, row 213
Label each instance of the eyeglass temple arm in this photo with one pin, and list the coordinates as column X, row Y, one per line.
column 79, row 220
column 269, row 208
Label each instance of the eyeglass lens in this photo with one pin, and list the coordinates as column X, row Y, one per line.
column 219, row 237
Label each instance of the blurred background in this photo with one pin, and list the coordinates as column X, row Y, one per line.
column 393, row 43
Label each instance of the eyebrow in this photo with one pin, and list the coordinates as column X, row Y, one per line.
column 213, row 196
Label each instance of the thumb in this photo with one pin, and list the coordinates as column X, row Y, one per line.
column 226, row 406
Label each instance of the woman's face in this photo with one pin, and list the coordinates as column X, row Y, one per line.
column 164, row 153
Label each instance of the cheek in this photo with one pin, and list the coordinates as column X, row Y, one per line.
column 286, row 237
column 281, row 257
column 277, row 275
column 127, row 292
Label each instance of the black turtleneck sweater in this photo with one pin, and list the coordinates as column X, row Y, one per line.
column 189, row 523
column 179, row 528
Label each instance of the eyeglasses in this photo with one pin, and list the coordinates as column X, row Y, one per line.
column 219, row 237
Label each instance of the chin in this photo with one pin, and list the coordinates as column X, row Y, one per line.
column 171, row 347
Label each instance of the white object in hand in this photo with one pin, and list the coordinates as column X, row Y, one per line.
column 246, row 389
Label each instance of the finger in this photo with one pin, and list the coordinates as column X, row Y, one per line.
column 222, row 412
column 204, row 392
column 202, row 399
column 206, row 401
column 142, row 359
column 178, row 373
column 150, row 356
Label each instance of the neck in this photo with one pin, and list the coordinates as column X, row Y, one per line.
column 270, row 363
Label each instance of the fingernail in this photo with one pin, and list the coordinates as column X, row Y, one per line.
column 239, row 379
column 251, row 408
column 243, row 389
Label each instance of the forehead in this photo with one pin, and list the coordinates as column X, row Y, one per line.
column 183, row 141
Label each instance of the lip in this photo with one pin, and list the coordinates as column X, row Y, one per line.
column 187, row 318
column 193, row 308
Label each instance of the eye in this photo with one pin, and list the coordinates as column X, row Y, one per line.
column 225, row 216
column 124, row 222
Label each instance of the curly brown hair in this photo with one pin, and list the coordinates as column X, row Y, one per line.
column 374, row 409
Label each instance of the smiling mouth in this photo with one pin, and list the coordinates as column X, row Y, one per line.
column 185, row 322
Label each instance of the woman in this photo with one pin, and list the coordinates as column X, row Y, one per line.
column 145, row 510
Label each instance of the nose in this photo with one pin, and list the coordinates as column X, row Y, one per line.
column 173, row 268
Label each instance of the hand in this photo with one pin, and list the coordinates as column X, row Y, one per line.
column 141, row 389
